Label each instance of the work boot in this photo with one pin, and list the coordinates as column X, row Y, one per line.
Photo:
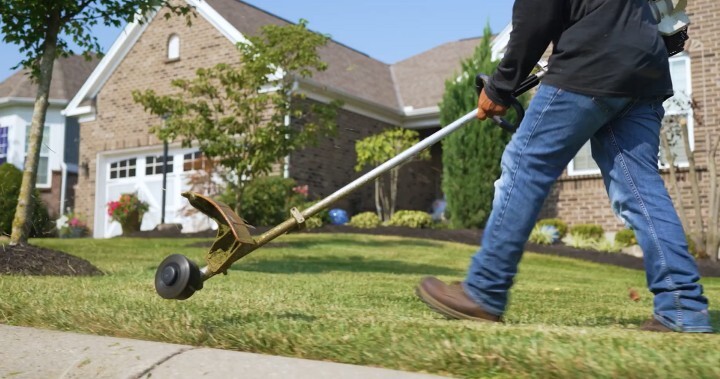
column 654, row 325
column 451, row 301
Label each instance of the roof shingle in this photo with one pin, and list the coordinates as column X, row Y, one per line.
column 69, row 74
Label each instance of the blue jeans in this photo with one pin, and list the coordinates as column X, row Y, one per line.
column 624, row 135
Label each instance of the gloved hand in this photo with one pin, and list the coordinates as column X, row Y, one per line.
column 488, row 109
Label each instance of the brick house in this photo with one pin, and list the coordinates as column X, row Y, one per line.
column 58, row 166
column 118, row 154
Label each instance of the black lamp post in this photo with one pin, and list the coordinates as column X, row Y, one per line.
column 164, row 180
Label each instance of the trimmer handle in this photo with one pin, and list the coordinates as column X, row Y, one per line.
column 480, row 83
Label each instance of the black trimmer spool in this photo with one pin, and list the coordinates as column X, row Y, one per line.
column 177, row 278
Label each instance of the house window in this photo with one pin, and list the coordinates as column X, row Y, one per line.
column 3, row 144
column 123, row 169
column 677, row 108
column 43, row 170
column 154, row 165
column 173, row 48
column 193, row 161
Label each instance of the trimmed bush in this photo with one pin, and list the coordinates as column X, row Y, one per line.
column 266, row 200
column 411, row 219
column 544, row 235
column 559, row 225
column 323, row 215
column 365, row 220
column 625, row 238
column 692, row 248
column 10, row 181
column 590, row 231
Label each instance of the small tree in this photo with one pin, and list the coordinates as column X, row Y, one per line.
column 471, row 155
column 706, row 237
column 377, row 149
column 43, row 30
column 236, row 114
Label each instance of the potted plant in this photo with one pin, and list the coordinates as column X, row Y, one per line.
column 73, row 226
column 128, row 211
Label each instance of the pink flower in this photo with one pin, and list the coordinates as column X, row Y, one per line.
column 302, row 190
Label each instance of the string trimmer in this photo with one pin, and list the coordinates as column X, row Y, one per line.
column 178, row 277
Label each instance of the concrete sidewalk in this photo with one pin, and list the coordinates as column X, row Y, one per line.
column 35, row 353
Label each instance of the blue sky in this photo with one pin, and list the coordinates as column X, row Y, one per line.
column 388, row 30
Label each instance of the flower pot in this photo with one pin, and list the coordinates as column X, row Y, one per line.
column 132, row 223
column 76, row 232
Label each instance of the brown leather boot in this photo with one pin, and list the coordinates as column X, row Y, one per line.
column 451, row 301
column 654, row 325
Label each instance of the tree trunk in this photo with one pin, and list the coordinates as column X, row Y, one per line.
column 378, row 206
column 698, row 234
column 713, row 232
column 674, row 181
column 393, row 189
column 23, row 213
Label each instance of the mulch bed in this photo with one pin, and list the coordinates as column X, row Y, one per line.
column 34, row 260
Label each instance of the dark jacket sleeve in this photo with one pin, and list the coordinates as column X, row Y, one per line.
column 535, row 24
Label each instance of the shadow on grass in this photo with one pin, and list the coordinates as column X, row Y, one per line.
column 293, row 264
column 359, row 242
column 715, row 321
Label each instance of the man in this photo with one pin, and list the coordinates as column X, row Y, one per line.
column 608, row 77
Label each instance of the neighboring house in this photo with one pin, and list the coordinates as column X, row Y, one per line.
column 119, row 155
column 580, row 196
column 58, row 165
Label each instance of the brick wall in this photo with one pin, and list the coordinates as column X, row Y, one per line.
column 329, row 166
column 583, row 199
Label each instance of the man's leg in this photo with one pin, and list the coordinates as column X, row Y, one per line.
column 627, row 152
column 556, row 126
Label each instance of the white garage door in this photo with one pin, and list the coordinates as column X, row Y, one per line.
column 141, row 172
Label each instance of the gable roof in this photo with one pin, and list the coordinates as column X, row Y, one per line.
column 421, row 78
column 407, row 89
column 69, row 74
column 348, row 70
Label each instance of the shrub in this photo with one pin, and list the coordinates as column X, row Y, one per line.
column 544, row 235
column 313, row 222
column 266, row 200
column 365, row 220
column 471, row 155
column 692, row 248
column 607, row 246
column 323, row 215
column 10, row 181
column 411, row 219
column 591, row 231
column 625, row 238
column 559, row 225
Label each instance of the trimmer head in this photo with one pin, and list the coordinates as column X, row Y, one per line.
column 178, row 278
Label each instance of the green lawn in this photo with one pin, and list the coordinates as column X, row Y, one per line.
column 350, row 298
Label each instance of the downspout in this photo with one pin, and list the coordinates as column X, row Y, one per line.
column 63, row 184
column 286, row 163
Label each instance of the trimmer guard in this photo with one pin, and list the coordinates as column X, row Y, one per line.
column 233, row 240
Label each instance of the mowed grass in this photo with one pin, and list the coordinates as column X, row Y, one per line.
column 350, row 298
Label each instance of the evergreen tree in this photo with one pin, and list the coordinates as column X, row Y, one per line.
column 471, row 155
